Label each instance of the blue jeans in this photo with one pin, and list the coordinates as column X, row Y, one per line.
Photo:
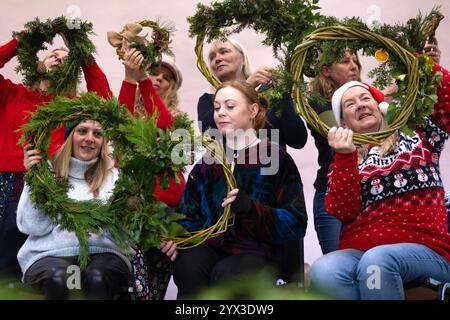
column 328, row 228
column 377, row 274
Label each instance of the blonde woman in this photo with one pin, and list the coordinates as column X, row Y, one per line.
column 229, row 62
column 49, row 250
column 16, row 102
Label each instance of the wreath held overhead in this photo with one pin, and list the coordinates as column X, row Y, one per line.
column 151, row 50
column 64, row 79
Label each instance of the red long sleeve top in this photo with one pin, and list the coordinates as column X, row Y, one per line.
column 172, row 195
column 17, row 101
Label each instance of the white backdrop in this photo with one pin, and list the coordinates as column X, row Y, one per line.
column 111, row 15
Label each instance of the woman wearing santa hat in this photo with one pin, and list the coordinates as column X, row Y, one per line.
column 398, row 234
column 329, row 79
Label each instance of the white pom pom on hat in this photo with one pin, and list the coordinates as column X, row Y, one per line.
column 337, row 98
column 169, row 63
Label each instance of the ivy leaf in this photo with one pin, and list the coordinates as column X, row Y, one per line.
column 175, row 229
column 164, row 182
column 407, row 130
column 391, row 113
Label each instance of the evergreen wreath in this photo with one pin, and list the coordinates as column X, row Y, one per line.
column 282, row 22
column 151, row 50
column 65, row 78
column 132, row 214
column 185, row 239
column 398, row 48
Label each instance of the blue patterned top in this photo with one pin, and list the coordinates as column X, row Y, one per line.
column 277, row 213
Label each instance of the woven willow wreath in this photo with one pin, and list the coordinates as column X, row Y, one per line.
column 151, row 50
column 194, row 239
column 346, row 33
column 281, row 22
column 65, row 78
column 201, row 65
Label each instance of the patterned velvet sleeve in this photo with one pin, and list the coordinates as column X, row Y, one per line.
column 287, row 219
column 190, row 203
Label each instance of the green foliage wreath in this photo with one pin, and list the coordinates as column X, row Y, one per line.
column 398, row 47
column 65, row 78
column 132, row 214
column 283, row 24
column 153, row 49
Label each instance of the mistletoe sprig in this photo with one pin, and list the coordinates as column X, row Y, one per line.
column 65, row 78
column 132, row 214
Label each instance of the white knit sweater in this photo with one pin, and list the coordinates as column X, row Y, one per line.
column 47, row 239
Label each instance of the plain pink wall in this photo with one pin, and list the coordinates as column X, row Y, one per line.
column 113, row 14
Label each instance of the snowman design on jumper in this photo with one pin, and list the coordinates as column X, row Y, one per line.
column 434, row 138
column 377, row 188
column 420, row 175
column 400, row 180
column 434, row 173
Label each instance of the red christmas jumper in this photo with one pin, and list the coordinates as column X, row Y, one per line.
column 17, row 101
column 170, row 196
column 398, row 198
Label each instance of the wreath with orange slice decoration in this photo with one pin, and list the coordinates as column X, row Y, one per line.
column 397, row 48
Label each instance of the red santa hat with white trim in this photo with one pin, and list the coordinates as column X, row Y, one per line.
column 337, row 98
